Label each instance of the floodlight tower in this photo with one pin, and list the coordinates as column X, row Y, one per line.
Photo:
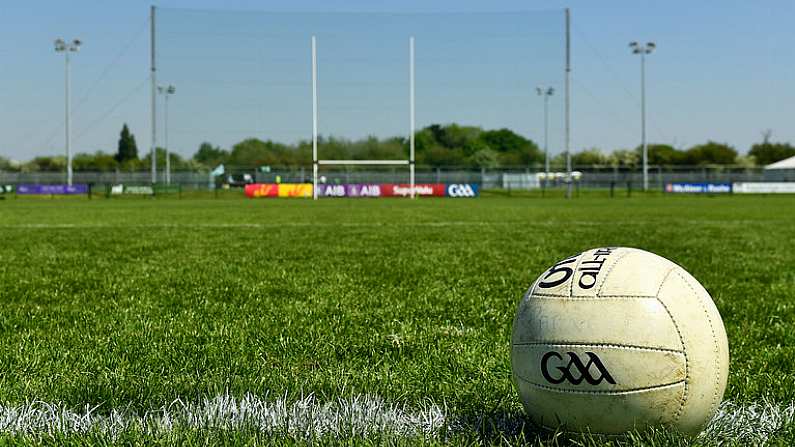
column 166, row 91
column 643, row 50
column 546, row 92
column 61, row 46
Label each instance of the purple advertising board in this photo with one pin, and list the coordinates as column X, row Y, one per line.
column 52, row 189
column 398, row 190
column 363, row 190
column 349, row 190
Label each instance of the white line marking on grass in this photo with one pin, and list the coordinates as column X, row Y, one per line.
column 748, row 424
column 359, row 417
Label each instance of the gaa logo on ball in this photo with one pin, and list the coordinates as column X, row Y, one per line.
column 615, row 339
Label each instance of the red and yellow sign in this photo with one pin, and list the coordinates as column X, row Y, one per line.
column 262, row 190
column 295, row 190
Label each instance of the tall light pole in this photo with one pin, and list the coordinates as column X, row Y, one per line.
column 61, row 46
column 546, row 92
column 643, row 50
column 166, row 91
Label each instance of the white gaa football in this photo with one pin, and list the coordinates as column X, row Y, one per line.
column 614, row 339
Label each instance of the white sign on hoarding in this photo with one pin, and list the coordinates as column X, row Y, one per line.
column 764, row 188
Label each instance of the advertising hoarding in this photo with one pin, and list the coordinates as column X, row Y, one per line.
column 698, row 188
column 303, row 190
column 764, row 187
column 36, row 189
column 262, row 190
column 356, row 190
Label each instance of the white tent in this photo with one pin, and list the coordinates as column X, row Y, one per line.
column 787, row 163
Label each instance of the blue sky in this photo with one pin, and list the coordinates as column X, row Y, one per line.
column 723, row 70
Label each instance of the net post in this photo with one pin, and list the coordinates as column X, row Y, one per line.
column 314, row 118
column 411, row 114
column 153, row 69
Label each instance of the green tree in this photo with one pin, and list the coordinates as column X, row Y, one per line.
column 6, row 165
column 210, row 156
column 98, row 161
column 453, row 136
column 45, row 164
column 505, row 141
column 711, row 152
column 176, row 161
column 485, row 158
column 590, row 157
column 624, row 158
column 665, row 155
column 254, row 152
column 766, row 152
column 127, row 149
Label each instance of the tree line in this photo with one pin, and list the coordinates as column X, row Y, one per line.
column 451, row 145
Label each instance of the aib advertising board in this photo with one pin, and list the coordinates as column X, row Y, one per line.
column 362, row 190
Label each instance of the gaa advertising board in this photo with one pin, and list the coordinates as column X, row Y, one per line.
column 363, row 190
column 698, row 188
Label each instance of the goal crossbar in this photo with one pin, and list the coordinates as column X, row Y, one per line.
column 365, row 162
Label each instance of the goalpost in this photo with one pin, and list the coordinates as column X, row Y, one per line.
column 316, row 162
column 245, row 82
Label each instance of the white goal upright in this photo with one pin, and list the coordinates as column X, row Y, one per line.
column 316, row 161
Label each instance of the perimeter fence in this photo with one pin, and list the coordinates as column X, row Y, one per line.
column 516, row 178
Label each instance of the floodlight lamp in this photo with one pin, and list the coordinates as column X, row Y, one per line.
column 171, row 89
column 651, row 45
column 60, row 45
column 76, row 45
column 551, row 91
column 633, row 44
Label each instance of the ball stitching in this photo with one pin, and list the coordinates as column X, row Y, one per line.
column 714, row 341
column 610, row 269
column 602, row 392
column 571, row 280
column 592, row 298
column 681, row 339
column 597, row 345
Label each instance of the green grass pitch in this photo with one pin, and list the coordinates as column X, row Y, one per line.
column 348, row 321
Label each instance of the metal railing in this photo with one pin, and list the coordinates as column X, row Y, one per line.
column 517, row 177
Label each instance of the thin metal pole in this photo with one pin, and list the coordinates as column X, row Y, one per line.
column 643, row 120
column 568, row 103
column 546, row 138
column 411, row 113
column 153, row 149
column 68, row 121
column 314, row 117
column 165, row 140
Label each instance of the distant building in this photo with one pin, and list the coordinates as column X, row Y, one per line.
column 782, row 170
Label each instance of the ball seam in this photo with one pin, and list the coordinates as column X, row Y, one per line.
column 574, row 273
column 610, row 270
column 593, row 298
column 682, row 340
column 599, row 345
column 714, row 342
column 602, row 392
